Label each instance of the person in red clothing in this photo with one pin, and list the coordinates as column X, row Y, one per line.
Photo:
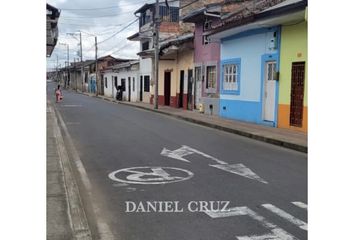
column 58, row 94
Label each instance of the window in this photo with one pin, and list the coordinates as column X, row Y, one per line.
column 231, row 76
column 145, row 18
column 198, row 74
column 169, row 14
column 211, row 77
column 207, row 25
column 205, row 40
column 145, row 46
column 105, row 82
column 122, row 81
column 146, row 83
column 133, row 84
column 116, row 82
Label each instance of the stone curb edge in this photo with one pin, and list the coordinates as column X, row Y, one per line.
column 76, row 212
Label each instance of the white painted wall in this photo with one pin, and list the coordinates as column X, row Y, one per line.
column 110, row 90
column 135, row 86
column 146, row 69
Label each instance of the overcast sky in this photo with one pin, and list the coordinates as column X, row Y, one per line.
column 102, row 18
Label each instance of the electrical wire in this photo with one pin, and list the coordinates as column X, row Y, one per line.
column 110, row 7
column 119, row 31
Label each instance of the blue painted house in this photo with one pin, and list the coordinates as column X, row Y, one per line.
column 249, row 63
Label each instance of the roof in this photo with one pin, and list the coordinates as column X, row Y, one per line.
column 194, row 16
column 144, row 7
column 283, row 12
column 140, row 35
column 177, row 40
column 126, row 64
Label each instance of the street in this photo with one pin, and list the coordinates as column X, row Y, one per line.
column 133, row 159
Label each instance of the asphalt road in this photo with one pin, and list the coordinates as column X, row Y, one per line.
column 109, row 137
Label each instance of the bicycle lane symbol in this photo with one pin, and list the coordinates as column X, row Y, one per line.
column 150, row 175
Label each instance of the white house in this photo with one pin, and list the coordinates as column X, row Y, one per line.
column 125, row 75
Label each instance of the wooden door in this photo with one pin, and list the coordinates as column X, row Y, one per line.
column 141, row 88
column 129, row 89
column 181, row 89
column 167, row 88
column 297, row 93
column 189, row 90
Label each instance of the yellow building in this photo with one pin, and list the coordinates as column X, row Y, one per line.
column 176, row 64
column 292, row 108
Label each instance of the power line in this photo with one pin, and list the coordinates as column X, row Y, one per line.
column 102, row 16
column 119, row 31
column 102, row 8
column 110, row 7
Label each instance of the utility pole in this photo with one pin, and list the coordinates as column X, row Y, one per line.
column 57, row 77
column 96, row 66
column 68, row 80
column 82, row 66
column 156, row 31
column 75, row 74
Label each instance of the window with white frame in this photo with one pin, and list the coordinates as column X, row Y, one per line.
column 231, row 77
column 211, row 77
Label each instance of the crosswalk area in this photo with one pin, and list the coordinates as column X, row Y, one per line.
column 274, row 231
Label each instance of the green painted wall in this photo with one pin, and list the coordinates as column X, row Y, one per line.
column 293, row 48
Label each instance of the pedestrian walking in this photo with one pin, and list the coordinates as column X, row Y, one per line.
column 58, row 94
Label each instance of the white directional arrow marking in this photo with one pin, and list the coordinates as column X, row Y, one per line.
column 241, row 170
column 176, row 154
column 185, row 151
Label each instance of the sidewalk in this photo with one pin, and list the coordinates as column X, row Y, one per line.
column 64, row 215
column 277, row 136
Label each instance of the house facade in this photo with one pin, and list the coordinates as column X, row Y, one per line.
column 292, row 108
column 176, row 67
column 207, row 53
column 125, row 75
column 169, row 27
column 52, row 18
column 206, row 61
column 250, row 62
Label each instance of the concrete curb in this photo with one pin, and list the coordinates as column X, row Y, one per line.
column 274, row 141
column 76, row 212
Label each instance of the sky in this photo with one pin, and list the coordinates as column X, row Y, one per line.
column 102, row 18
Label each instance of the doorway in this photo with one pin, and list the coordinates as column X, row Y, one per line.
column 181, row 89
column 129, row 89
column 190, row 90
column 167, row 88
column 269, row 88
column 197, row 86
column 297, row 93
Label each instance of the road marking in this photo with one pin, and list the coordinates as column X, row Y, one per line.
column 281, row 213
column 176, row 154
column 241, row 170
column 150, row 175
column 71, row 105
column 185, row 151
column 300, row 204
column 276, row 232
column 73, row 123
